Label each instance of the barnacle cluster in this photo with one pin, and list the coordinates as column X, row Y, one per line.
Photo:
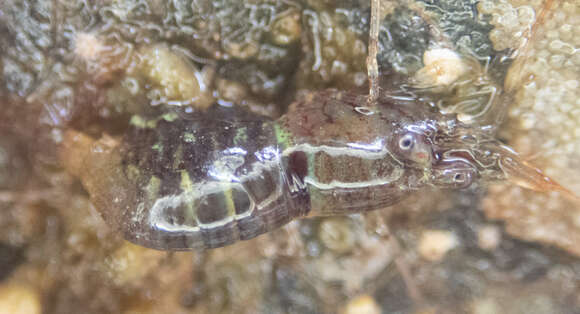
column 512, row 21
column 95, row 66
column 543, row 122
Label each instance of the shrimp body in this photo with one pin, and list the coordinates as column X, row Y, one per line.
column 227, row 175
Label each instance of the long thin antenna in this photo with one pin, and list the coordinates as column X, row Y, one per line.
column 372, row 65
column 516, row 74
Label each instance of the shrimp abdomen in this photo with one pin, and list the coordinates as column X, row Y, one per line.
column 201, row 183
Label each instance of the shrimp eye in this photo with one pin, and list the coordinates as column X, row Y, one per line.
column 453, row 174
column 406, row 142
column 413, row 147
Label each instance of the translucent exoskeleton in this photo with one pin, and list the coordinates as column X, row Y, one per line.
column 227, row 175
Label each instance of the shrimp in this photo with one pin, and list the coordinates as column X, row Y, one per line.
column 181, row 183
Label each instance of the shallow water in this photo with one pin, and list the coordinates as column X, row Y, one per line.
column 92, row 67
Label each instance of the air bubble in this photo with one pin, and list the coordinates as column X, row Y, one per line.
column 364, row 110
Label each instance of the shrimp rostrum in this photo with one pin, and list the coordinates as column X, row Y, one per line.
column 179, row 183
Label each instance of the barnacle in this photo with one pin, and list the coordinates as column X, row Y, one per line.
column 177, row 81
column 336, row 234
column 434, row 244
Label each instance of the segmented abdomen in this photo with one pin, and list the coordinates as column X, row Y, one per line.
column 206, row 183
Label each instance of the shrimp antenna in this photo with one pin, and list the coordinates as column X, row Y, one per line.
column 515, row 78
column 372, row 65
